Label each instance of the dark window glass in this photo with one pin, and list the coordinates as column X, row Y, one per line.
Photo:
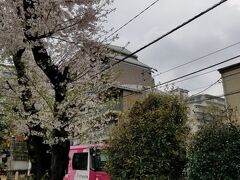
column 80, row 161
column 99, row 159
column 100, row 162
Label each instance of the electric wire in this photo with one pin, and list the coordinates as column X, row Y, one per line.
column 216, row 83
column 216, row 97
column 189, row 74
column 203, row 69
column 197, row 59
column 167, row 34
column 208, row 72
column 132, row 19
column 199, row 88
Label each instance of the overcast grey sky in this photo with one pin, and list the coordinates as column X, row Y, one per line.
column 215, row 30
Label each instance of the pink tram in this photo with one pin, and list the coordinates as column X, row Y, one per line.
column 87, row 162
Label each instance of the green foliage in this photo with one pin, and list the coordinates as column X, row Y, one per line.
column 149, row 141
column 4, row 129
column 215, row 153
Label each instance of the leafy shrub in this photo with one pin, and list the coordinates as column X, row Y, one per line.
column 215, row 153
column 149, row 141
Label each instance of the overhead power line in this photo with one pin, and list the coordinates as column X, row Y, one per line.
column 203, row 69
column 195, row 89
column 216, row 97
column 213, row 84
column 198, row 75
column 167, row 34
column 189, row 74
column 208, row 72
column 197, row 59
column 192, row 90
column 216, row 83
column 132, row 19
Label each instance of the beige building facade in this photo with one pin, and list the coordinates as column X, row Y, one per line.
column 132, row 77
column 231, row 86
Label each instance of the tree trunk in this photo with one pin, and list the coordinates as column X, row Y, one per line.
column 59, row 161
column 39, row 157
column 59, row 80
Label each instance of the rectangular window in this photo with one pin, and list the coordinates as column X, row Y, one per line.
column 99, row 160
column 80, row 161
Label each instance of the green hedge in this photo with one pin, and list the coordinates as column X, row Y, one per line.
column 215, row 153
column 149, row 142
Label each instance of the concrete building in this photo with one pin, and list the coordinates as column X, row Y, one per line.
column 231, row 86
column 131, row 71
column 205, row 108
column 18, row 161
column 132, row 76
column 183, row 93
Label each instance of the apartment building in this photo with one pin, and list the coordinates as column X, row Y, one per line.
column 231, row 86
column 205, row 108
column 183, row 93
column 132, row 77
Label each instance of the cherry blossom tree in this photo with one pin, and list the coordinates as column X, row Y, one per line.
column 59, row 89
